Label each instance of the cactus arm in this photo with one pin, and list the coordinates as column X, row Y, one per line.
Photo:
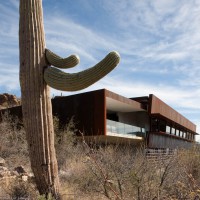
column 59, row 62
column 59, row 80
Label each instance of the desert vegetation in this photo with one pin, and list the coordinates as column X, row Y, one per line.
column 100, row 171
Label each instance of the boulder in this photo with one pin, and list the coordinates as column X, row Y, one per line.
column 4, row 172
column 8, row 100
column 2, row 162
column 20, row 170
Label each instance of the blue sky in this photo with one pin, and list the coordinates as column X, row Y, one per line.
column 159, row 44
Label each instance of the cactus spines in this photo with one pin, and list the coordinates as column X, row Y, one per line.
column 59, row 62
column 60, row 80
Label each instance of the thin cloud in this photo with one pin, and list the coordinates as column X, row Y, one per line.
column 73, row 37
column 158, row 42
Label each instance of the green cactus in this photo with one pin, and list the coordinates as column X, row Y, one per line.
column 35, row 93
column 59, row 62
column 60, row 80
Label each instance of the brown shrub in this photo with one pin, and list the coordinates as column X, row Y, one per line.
column 109, row 171
column 13, row 144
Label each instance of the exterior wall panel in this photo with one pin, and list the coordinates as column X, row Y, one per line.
column 160, row 108
column 86, row 108
column 163, row 141
column 99, row 113
column 89, row 112
column 13, row 111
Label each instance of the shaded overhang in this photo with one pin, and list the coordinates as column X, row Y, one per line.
column 118, row 103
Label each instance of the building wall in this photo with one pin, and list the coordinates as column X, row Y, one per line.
column 88, row 110
column 159, row 107
column 13, row 111
column 165, row 141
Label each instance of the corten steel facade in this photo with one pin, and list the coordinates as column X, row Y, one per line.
column 168, row 128
column 107, row 116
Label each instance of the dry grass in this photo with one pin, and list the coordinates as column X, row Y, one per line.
column 107, row 172
column 13, row 145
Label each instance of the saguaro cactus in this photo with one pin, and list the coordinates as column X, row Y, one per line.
column 77, row 81
column 36, row 101
column 35, row 74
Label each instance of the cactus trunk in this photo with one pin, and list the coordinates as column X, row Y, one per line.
column 36, row 101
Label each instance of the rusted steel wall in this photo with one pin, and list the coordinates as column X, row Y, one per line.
column 159, row 107
column 99, row 112
column 166, row 141
column 13, row 112
column 86, row 108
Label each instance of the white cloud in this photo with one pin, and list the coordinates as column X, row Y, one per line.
column 70, row 36
column 155, row 39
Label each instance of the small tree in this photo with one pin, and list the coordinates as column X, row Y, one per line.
column 35, row 74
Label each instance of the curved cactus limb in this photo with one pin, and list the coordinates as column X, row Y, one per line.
column 59, row 80
column 59, row 62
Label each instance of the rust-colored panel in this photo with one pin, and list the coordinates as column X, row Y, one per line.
column 157, row 106
column 87, row 109
column 15, row 112
column 99, row 113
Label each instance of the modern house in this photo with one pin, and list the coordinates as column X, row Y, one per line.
column 105, row 116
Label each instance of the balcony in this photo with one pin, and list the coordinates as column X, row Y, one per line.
column 124, row 130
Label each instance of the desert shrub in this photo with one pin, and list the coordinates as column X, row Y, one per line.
column 19, row 189
column 186, row 184
column 64, row 141
column 44, row 197
column 108, row 171
column 13, row 144
column 123, row 172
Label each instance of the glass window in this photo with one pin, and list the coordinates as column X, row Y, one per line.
column 181, row 133
column 143, row 130
column 186, row 135
column 177, row 132
column 120, row 128
column 173, row 131
column 154, row 124
column 168, row 128
column 162, row 125
column 189, row 135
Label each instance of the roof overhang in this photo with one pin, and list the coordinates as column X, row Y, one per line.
column 119, row 106
column 118, row 103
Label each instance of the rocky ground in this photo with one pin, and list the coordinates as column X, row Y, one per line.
column 8, row 176
column 8, row 100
